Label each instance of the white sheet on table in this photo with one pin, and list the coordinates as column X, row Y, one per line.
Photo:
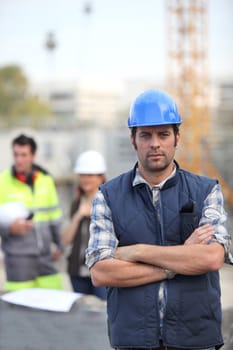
column 43, row 299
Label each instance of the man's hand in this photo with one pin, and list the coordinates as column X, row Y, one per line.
column 202, row 235
column 21, row 227
column 126, row 253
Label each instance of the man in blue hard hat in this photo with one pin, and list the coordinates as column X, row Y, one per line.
column 158, row 239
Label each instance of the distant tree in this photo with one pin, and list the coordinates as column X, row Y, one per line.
column 32, row 111
column 17, row 105
column 13, row 85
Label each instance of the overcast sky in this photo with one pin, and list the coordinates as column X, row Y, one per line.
column 120, row 39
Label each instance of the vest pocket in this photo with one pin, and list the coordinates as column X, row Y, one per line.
column 189, row 221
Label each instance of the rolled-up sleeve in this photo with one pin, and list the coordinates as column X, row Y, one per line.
column 214, row 213
column 103, row 241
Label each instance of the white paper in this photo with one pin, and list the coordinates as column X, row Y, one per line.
column 43, row 299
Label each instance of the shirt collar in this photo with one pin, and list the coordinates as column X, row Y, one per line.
column 138, row 179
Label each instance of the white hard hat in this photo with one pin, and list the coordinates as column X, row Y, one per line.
column 90, row 162
column 12, row 211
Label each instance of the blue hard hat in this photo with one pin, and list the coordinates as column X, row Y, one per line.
column 153, row 107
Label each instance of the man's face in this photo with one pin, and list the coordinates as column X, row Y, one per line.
column 155, row 146
column 23, row 158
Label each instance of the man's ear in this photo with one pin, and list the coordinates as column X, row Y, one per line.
column 177, row 139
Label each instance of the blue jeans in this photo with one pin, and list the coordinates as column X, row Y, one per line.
column 84, row 285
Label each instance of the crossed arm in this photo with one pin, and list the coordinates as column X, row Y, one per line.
column 143, row 263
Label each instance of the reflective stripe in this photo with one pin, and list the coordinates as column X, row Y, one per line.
column 45, row 209
column 46, row 213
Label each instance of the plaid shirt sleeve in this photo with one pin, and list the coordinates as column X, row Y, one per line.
column 103, row 241
column 213, row 213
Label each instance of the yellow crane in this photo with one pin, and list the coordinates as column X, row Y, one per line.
column 187, row 81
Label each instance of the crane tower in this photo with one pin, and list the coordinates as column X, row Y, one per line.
column 187, row 82
column 187, row 77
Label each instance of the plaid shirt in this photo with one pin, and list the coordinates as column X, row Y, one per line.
column 103, row 240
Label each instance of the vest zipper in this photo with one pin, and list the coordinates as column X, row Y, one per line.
column 162, row 287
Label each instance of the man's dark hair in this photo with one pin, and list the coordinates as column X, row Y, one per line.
column 175, row 128
column 24, row 140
